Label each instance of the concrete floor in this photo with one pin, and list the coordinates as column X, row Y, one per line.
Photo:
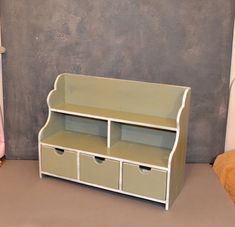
column 28, row 201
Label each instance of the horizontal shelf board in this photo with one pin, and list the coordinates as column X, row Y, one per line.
column 119, row 116
column 141, row 153
column 123, row 150
column 77, row 141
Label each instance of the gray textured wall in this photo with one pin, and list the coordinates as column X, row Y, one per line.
column 183, row 42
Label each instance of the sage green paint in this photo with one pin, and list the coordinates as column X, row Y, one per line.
column 78, row 141
column 63, row 165
column 55, row 124
column 58, row 97
column 151, row 184
column 141, row 153
column 122, row 95
column 177, row 163
column 86, row 125
column 136, row 118
column 148, row 136
column 134, row 143
column 124, row 150
column 115, row 132
column 105, row 173
column 128, row 142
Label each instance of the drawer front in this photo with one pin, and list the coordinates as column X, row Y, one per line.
column 59, row 162
column 144, row 181
column 95, row 170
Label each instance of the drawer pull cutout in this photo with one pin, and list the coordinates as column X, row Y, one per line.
column 59, row 151
column 99, row 160
column 144, row 169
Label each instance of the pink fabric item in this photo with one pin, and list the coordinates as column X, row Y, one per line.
column 2, row 141
column 230, row 132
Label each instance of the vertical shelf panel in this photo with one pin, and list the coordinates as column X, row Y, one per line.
column 115, row 132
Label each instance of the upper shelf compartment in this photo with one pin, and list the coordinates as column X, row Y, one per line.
column 142, row 103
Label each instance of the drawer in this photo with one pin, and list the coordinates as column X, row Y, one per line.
column 144, row 181
column 99, row 171
column 59, row 162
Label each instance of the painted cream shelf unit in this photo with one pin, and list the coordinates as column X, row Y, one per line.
column 125, row 136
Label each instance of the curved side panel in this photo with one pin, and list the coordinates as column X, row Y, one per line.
column 176, row 163
column 55, row 123
column 52, row 124
column 57, row 95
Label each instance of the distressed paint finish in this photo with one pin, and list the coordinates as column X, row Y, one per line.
column 182, row 42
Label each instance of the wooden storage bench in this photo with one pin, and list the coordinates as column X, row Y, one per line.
column 126, row 136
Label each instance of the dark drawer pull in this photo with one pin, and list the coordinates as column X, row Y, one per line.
column 145, row 169
column 59, row 151
column 99, row 160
